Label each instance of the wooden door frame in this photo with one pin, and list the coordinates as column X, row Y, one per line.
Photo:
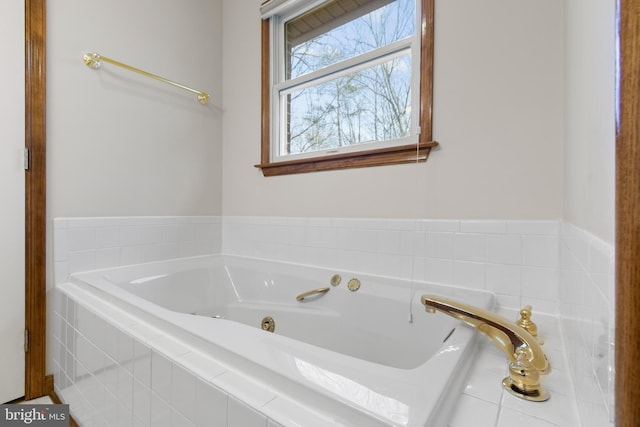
column 37, row 383
column 627, row 359
column 627, row 349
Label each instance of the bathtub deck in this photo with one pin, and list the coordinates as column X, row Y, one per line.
column 482, row 403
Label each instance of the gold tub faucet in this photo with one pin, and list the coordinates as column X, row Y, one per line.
column 527, row 360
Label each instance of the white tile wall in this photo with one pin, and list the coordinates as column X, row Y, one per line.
column 243, row 415
column 81, row 244
column 517, row 260
column 587, row 313
column 554, row 266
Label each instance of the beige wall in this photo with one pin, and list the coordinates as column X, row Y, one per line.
column 121, row 144
column 497, row 113
column 589, row 159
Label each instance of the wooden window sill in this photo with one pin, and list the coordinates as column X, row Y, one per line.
column 359, row 159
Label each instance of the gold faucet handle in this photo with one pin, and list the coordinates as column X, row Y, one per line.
column 527, row 324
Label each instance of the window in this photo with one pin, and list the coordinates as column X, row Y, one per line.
column 345, row 83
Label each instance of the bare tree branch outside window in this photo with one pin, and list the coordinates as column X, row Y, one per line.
column 373, row 104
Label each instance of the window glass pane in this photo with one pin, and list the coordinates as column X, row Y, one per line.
column 370, row 105
column 342, row 29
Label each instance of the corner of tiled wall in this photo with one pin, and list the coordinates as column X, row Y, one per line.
column 90, row 243
column 587, row 316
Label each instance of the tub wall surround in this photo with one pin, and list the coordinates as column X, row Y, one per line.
column 82, row 244
column 557, row 267
column 587, row 314
column 516, row 260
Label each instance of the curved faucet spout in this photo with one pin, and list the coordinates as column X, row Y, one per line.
column 511, row 338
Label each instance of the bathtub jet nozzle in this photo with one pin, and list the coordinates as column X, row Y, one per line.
column 268, row 324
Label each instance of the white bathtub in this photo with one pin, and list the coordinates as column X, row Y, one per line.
column 373, row 352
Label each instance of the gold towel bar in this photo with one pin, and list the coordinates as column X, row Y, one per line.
column 93, row 60
column 304, row 295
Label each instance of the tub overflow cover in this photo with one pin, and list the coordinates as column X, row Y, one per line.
column 268, row 324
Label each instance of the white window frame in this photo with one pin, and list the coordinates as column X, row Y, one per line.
column 279, row 88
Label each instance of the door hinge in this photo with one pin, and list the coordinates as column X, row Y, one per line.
column 26, row 340
column 26, row 159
